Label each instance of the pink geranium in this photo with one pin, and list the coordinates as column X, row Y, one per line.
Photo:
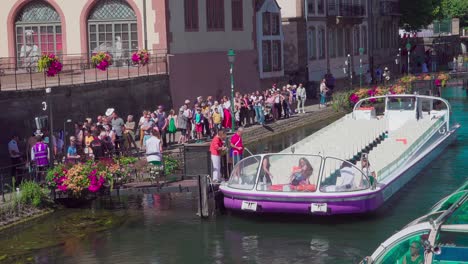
column 354, row 98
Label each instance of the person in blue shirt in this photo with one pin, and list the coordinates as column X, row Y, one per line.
column 71, row 152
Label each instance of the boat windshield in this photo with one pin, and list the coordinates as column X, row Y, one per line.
column 289, row 173
column 401, row 103
column 244, row 174
column 448, row 201
column 277, row 173
column 408, row 249
column 342, row 176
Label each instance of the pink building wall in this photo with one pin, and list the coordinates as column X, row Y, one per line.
column 207, row 73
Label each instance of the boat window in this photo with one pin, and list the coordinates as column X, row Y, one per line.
column 342, row 176
column 289, row 173
column 453, row 247
column 408, row 249
column 401, row 103
column 244, row 174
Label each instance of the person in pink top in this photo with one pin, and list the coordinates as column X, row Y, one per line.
column 237, row 147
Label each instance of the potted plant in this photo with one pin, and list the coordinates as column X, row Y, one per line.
column 141, row 57
column 50, row 63
column 102, row 60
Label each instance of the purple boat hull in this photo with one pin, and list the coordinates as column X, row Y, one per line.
column 350, row 206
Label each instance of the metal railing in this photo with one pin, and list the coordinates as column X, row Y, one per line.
column 15, row 76
column 346, row 10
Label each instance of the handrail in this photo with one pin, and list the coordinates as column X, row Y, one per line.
column 446, row 102
column 385, row 171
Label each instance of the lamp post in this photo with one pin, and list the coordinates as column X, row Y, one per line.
column 350, row 74
column 65, row 131
column 51, row 125
column 231, row 58
column 361, row 52
column 408, row 48
column 397, row 60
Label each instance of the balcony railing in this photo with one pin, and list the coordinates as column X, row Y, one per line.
column 15, row 74
column 389, row 8
column 346, row 10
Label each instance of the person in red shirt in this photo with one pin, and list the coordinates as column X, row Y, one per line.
column 216, row 149
column 237, row 147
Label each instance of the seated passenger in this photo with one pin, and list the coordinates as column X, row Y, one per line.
column 368, row 170
column 302, row 173
column 413, row 256
column 265, row 174
column 347, row 174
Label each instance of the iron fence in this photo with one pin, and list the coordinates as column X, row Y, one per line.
column 77, row 69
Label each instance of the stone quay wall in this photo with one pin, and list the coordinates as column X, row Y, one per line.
column 18, row 109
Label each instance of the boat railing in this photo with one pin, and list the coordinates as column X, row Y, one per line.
column 387, row 170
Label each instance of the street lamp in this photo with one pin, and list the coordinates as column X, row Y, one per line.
column 348, row 64
column 51, row 126
column 361, row 52
column 231, row 58
column 65, row 130
column 408, row 48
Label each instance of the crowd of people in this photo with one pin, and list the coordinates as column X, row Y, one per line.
column 197, row 120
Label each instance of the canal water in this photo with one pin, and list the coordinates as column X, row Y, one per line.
column 164, row 229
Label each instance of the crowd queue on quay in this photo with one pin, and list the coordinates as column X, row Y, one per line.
column 194, row 121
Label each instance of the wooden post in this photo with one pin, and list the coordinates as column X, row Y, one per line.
column 203, row 211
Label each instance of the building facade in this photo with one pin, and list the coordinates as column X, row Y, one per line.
column 341, row 37
column 194, row 34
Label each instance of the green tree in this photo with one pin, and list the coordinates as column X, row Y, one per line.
column 455, row 8
column 417, row 14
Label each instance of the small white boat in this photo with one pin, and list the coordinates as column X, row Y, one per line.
column 323, row 174
column 439, row 237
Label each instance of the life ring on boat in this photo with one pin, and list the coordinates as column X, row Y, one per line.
column 442, row 130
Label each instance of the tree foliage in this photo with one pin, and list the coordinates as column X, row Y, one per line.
column 454, row 8
column 417, row 14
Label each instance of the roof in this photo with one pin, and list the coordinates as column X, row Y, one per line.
column 259, row 4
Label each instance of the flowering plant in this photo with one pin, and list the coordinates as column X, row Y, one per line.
column 102, row 60
column 141, row 57
column 443, row 77
column 79, row 177
column 49, row 63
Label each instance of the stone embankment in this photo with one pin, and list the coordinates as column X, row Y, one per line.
column 313, row 114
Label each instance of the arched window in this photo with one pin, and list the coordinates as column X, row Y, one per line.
column 112, row 27
column 38, row 30
column 321, row 42
column 312, row 43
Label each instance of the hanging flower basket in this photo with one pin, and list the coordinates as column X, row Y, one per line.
column 141, row 57
column 49, row 63
column 102, row 60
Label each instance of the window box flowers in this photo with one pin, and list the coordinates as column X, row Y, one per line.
column 141, row 57
column 102, row 60
column 49, row 63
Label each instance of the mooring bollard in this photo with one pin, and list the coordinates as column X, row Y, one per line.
column 203, row 210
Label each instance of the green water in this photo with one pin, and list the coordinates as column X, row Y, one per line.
column 164, row 229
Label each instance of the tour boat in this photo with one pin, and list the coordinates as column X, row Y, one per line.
column 438, row 237
column 324, row 174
